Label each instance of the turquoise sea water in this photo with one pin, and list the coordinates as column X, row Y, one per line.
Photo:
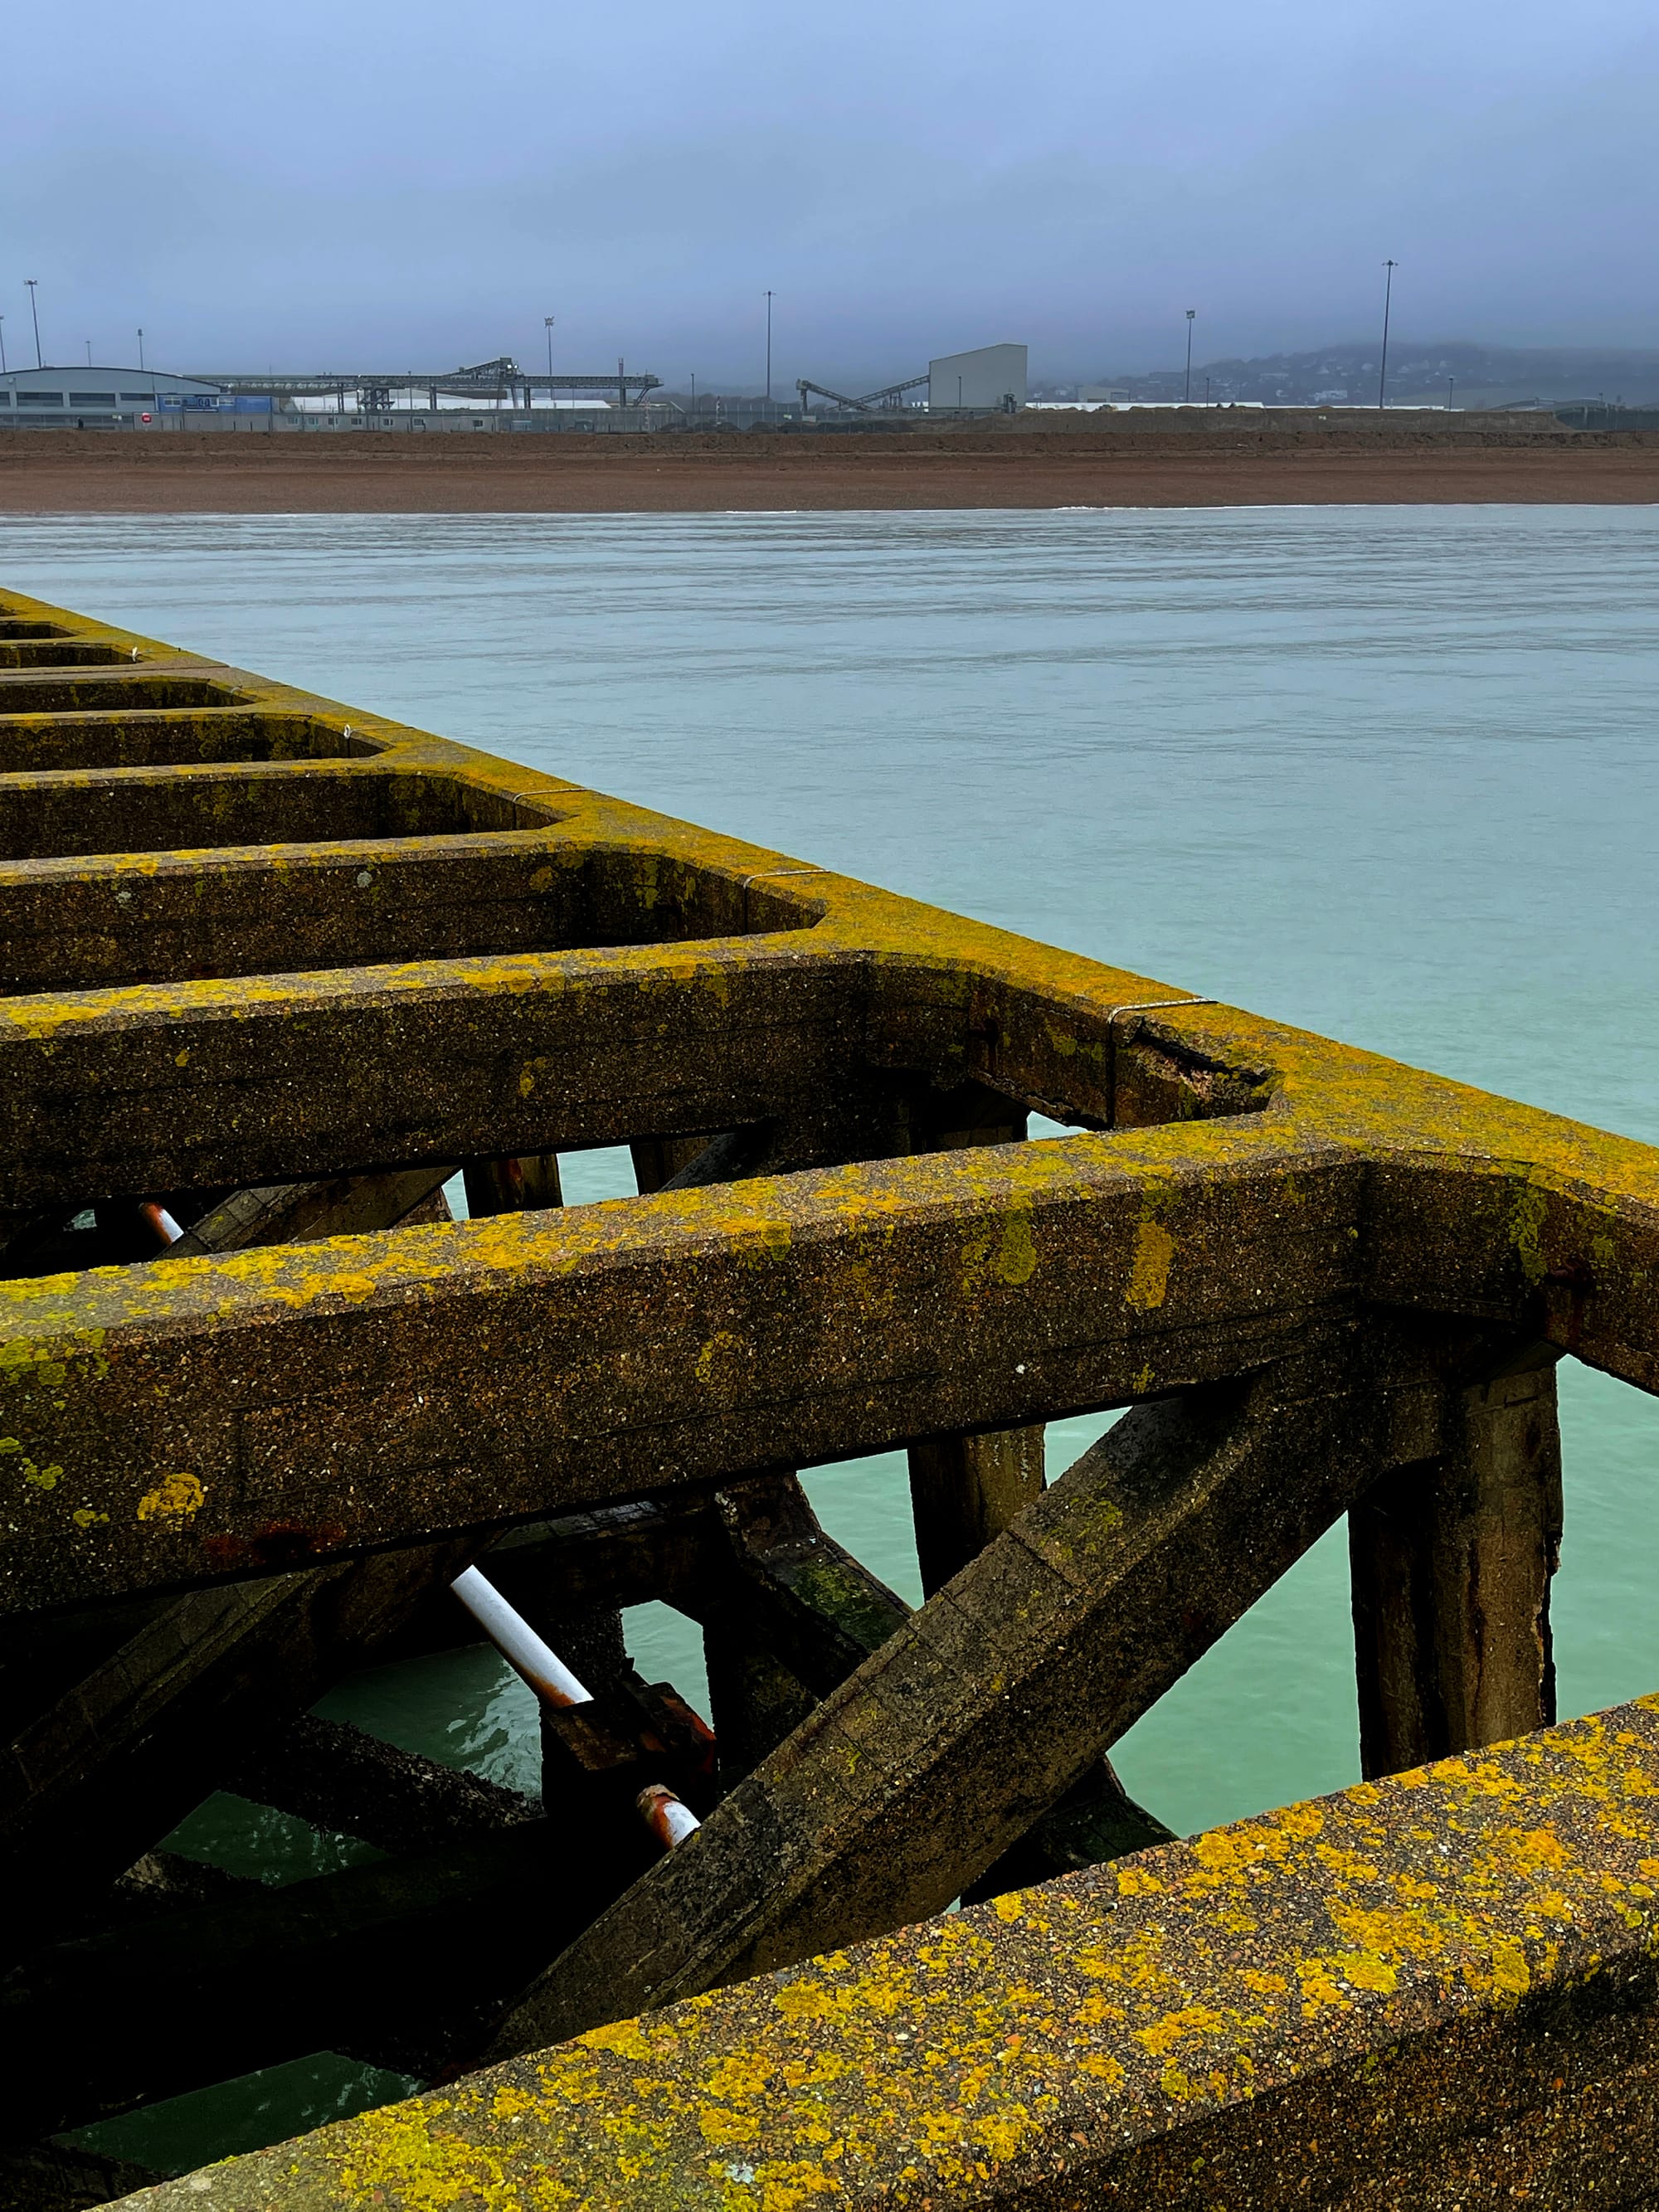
column 1389, row 772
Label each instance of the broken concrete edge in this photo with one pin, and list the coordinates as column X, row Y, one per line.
column 1377, row 1983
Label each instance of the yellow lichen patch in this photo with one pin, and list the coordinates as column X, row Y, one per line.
column 1322, row 1989
column 624, row 2036
column 1265, row 1984
column 1005, row 1254
column 775, row 2184
column 1002, row 2133
column 1149, row 1276
column 1016, row 1259
column 1345, row 1864
column 742, row 2074
column 1100, row 2066
column 1175, row 2027
column 718, row 2123
column 431, row 2171
column 1230, row 1854
column 1303, row 1823
column 1511, row 1977
column 175, row 1497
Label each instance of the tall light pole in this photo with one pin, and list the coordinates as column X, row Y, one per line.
column 768, row 349
column 141, row 348
column 547, row 325
column 34, row 312
column 694, row 395
column 1186, row 396
column 1387, row 301
column 88, row 353
column 3, row 345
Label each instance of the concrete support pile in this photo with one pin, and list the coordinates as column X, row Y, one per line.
column 275, row 974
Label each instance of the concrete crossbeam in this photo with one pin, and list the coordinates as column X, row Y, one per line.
column 205, row 1418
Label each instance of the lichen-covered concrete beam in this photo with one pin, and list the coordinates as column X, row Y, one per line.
column 191, row 1418
column 275, row 1078
column 1438, row 1992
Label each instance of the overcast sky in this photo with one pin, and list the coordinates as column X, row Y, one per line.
column 285, row 186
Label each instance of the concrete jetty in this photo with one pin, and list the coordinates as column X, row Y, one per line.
column 278, row 970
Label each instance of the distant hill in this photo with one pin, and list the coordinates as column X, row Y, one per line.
column 1479, row 375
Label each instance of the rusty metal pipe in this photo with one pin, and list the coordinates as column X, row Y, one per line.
column 669, row 1818
column 160, row 1222
column 518, row 1642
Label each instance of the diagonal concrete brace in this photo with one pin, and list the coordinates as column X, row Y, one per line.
column 962, row 1729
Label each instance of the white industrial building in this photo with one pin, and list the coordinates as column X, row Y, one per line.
column 96, row 398
column 989, row 376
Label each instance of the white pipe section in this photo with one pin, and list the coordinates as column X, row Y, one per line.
column 517, row 1642
column 669, row 1819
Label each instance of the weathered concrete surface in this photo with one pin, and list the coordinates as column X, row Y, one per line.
column 268, row 942
column 216, row 1417
column 966, row 1490
column 1437, row 1991
column 70, row 925
column 1452, row 1561
column 969, row 1722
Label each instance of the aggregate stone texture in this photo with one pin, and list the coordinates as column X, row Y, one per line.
column 1437, row 1991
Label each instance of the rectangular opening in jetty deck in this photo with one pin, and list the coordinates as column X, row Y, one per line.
column 92, row 930
column 59, row 653
column 47, row 817
column 179, row 737
column 21, row 626
column 91, row 693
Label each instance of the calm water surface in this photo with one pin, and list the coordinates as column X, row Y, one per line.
column 1387, row 773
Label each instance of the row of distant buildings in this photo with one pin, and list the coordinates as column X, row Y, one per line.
column 92, row 398
column 492, row 396
column 501, row 395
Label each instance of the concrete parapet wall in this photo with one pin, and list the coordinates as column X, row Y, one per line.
column 1439, row 1990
